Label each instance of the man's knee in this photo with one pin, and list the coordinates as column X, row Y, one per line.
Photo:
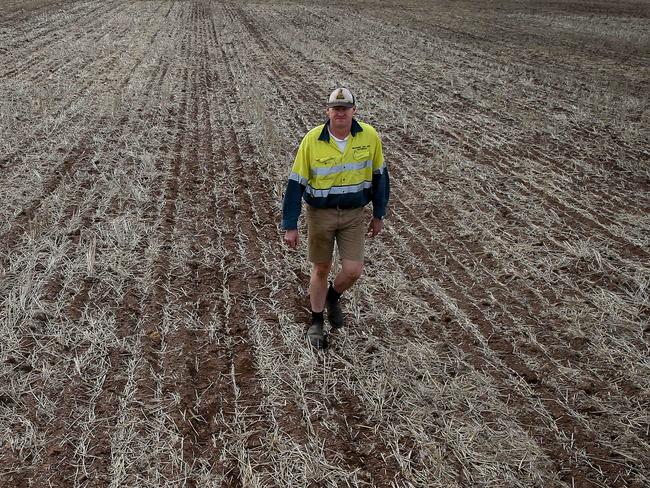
column 352, row 270
column 321, row 270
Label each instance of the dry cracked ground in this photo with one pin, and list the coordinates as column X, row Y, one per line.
column 151, row 321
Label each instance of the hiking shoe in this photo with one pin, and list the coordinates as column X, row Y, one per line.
column 317, row 338
column 335, row 315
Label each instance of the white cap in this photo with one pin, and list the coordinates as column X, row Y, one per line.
column 341, row 97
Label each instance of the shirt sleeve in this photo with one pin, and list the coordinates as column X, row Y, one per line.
column 292, row 204
column 380, row 182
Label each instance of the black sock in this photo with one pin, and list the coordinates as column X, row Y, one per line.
column 317, row 316
column 333, row 295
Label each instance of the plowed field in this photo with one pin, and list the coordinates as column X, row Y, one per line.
column 151, row 320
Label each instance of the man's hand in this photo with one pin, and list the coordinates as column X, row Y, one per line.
column 375, row 227
column 291, row 238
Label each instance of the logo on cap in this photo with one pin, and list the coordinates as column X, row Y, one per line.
column 341, row 97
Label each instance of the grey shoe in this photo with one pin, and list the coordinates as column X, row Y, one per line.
column 335, row 315
column 317, row 338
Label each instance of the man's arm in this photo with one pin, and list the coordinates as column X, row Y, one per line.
column 380, row 193
column 292, row 203
column 291, row 207
column 380, row 183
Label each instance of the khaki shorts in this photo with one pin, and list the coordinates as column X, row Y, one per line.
column 346, row 227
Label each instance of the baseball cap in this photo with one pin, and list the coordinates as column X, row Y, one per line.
column 341, row 97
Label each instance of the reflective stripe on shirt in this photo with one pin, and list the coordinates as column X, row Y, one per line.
column 338, row 190
column 340, row 168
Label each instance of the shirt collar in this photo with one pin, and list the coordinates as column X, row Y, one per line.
column 325, row 135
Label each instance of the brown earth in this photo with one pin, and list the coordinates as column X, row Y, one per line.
column 152, row 321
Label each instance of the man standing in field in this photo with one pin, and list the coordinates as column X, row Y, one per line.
column 338, row 170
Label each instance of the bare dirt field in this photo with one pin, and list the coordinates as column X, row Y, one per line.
column 151, row 320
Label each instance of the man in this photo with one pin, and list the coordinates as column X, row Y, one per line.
column 338, row 170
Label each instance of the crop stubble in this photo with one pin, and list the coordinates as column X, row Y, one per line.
column 152, row 321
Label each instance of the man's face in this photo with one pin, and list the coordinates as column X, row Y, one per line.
column 341, row 117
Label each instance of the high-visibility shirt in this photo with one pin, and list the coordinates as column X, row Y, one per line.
column 325, row 177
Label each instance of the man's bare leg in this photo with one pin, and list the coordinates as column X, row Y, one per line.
column 317, row 296
column 349, row 274
column 318, row 285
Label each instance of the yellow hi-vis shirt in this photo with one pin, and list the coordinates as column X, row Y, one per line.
column 325, row 177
